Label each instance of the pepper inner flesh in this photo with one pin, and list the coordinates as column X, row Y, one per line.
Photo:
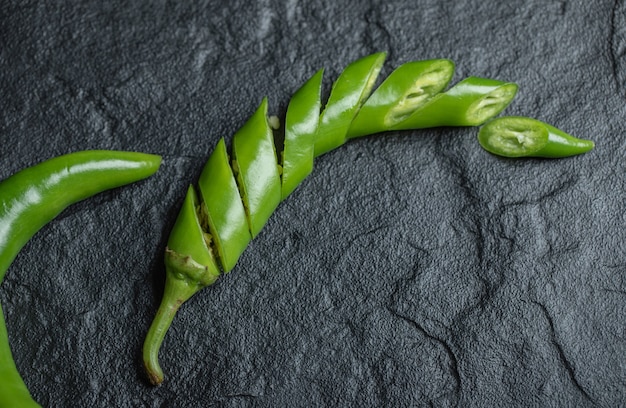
column 492, row 103
column 514, row 136
column 423, row 89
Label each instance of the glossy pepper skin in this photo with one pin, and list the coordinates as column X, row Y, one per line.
column 235, row 200
column 301, row 123
column 348, row 93
column 257, row 170
column 31, row 198
column 13, row 391
column 517, row 136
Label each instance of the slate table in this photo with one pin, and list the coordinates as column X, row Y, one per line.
column 410, row 269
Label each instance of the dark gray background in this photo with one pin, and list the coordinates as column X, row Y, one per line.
column 410, row 269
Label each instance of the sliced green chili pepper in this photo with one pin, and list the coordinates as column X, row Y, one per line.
column 301, row 122
column 214, row 229
column 258, row 175
column 471, row 102
column 403, row 92
column 516, row 136
column 31, row 198
column 348, row 93
column 222, row 205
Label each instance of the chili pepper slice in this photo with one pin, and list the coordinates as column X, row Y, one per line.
column 471, row 102
column 225, row 214
column 517, row 136
column 404, row 91
column 347, row 95
column 256, row 169
column 301, row 122
column 188, row 236
column 31, row 198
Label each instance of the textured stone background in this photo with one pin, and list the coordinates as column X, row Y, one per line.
column 410, row 269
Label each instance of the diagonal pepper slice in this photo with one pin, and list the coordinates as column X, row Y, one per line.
column 301, row 123
column 404, row 91
column 225, row 214
column 471, row 102
column 347, row 95
column 256, row 169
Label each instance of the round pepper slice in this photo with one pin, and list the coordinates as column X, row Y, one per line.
column 517, row 136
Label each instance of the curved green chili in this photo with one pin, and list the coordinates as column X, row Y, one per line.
column 31, row 198
column 236, row 198
column 13, row 391
column 517, row 136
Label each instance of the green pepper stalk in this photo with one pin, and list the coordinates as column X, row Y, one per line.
column 236, row 197
column 31, row 198
column 516, row 136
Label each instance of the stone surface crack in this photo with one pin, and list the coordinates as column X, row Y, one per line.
column 377, row 33
column 569, row 368
column 613, row 44
column 453, row 361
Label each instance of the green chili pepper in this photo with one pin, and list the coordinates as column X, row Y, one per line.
column 516, row 136
column 13, row 391
column 226, row 221
column 213, row 230
column 31, row 198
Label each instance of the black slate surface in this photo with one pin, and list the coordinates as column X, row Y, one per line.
column 410, row 269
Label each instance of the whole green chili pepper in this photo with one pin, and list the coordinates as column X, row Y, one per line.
column 13, row 391
column 516, row 136
column 31, row 198
column 214, row 227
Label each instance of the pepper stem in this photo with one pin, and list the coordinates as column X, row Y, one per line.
column 183, row 278
column 161, row 323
